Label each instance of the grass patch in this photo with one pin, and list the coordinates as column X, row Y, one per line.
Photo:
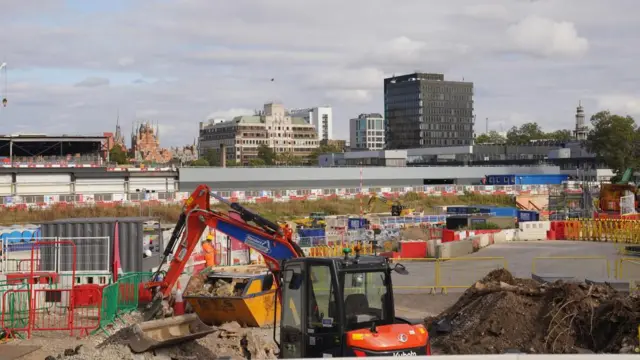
column 272, row 211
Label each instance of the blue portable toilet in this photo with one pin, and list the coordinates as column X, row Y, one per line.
column 356, row 223
column 528, row 215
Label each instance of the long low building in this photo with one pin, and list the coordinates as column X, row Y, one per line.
column 49, row 185
column 318, row 178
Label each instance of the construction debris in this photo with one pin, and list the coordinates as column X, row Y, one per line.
column 502, row 314
column 229, row 339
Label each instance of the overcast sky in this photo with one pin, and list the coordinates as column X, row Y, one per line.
column 72, row 65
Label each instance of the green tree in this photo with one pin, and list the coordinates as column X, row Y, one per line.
column 199, row 162
column 525, row 133
column 257, row 162
column 322, row 149
column 118, row 155
column 560, row 135
column 212, row 156
column 287, row 158
column 266, row 154
column 614, row 140
column 492, row 137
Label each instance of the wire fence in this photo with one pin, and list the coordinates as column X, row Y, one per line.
column 44, row 289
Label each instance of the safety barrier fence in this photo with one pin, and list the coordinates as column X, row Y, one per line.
column 337, row 250
column 16, row 256
column 45, row 300
column 122, row 297
column 167, row 194
column 444, row 274
column 606, row 230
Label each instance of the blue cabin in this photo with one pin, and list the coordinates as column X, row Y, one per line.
column 527, row 179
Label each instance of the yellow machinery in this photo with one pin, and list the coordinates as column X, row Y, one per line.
column 397, row 209
column 245, row 294
column 314, row 220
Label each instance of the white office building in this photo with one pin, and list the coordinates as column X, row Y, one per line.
column 366, row 132
column 320, row 117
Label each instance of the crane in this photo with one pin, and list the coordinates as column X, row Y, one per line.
column 331, row 307
column 3, row 68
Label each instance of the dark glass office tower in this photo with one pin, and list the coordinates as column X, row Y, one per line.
column 424, row 110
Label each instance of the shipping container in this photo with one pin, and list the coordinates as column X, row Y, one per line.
column 305, row 233
column 94, row 239
column 499, row 211
column 527, row 179
column 528, row 215
column 463, row 210
column 356, row 223
column 457, row 222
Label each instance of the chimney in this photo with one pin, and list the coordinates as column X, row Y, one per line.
column 223, row 155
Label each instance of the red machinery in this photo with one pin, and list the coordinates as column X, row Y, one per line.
column 332, row 307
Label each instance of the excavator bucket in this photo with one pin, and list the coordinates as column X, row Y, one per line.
column 155, row 334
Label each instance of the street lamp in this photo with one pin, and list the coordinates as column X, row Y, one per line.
column 145, row 192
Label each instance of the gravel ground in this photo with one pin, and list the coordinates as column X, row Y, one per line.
column 224, row 342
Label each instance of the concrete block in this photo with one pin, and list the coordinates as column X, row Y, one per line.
column 618, row 285
column 510, row 234
column 431, row 247
column 500, row 237
column 454, row 249
column 549, row 278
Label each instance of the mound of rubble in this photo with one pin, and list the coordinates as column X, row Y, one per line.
column 502, row 314
column 229, row 340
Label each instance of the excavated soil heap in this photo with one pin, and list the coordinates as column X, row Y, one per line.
column 501, row 313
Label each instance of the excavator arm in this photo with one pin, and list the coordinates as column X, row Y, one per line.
column 258, row 233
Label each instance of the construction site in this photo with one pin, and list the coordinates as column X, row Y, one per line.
column 405, row 284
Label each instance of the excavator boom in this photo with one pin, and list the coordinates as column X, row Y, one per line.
column 265, row 237
column 363, row 314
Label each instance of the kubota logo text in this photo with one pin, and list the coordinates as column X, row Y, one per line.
column 402, row 353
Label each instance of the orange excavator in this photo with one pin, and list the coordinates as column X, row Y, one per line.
column 331, row 307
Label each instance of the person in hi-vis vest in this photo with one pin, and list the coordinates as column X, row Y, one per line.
column 209, row 251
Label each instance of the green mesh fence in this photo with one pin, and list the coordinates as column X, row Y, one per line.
column 129, row 287
column 109, row 307
column 14, row 305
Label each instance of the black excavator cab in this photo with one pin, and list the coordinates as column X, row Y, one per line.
column 343, row 307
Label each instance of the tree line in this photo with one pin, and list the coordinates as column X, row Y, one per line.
column 522, row 135
column 613, row 139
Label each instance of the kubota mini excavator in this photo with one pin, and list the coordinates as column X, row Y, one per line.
column 331, row 307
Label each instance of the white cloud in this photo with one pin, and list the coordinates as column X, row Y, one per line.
column 126, row 61
column 487, row 11
column 199, row 57
column 93, row 82
column 229, row 113
column 349, row 96
column 545, row 37
column 621, row 104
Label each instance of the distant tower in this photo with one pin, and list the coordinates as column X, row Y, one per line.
column 581, row 128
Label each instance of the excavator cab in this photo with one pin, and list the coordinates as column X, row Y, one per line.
column 343, row 307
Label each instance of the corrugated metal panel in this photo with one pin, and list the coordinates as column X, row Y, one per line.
column 87, row 186
column 5, row 184
column 149, row 183
column 130, row 240
column 43, row 184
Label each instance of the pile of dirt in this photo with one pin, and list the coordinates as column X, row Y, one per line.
column 229, row 339
column 501, row 313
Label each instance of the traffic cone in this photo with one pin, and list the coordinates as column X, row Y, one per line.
column 178, row 306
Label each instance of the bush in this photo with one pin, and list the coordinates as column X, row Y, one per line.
column 272, row 211
column 485, row 226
